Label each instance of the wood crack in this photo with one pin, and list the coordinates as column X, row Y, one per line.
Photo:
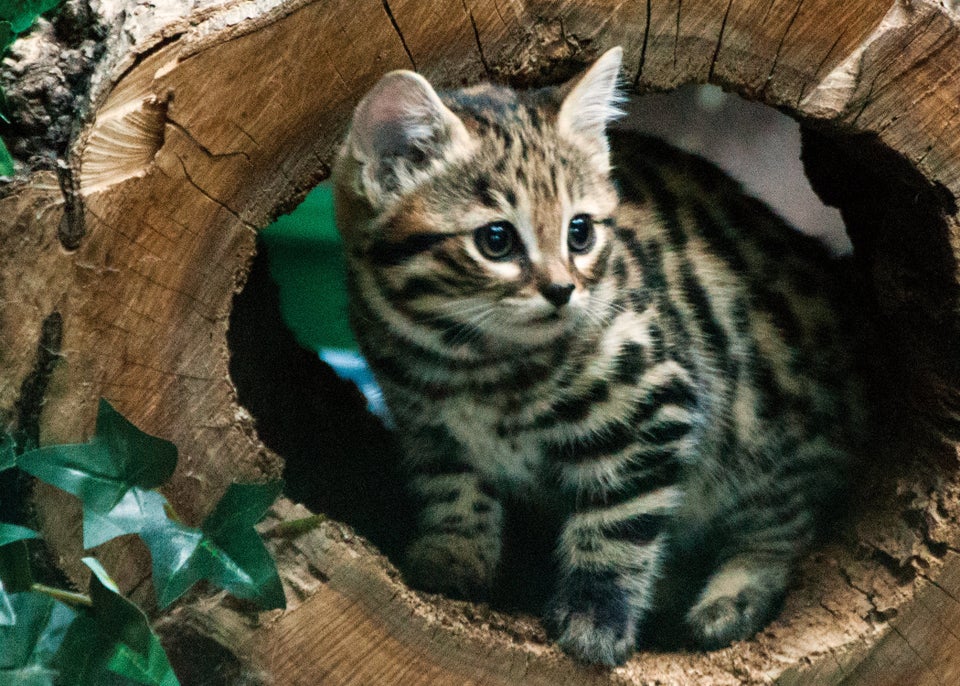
column 716, row 50
column 848, row 580
column 496, row 7
column 875, row 90
column 200, row 146
column 676, row 35
column 149, row 52
column 804, row 91
column 783, row 39
column 72, row 227
column 906, row 642
column 476, row 38
column 643, row 48
column 396, row 27
column 207, row 195
column 841, row 90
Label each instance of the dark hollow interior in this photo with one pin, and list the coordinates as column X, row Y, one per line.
column 341, row 461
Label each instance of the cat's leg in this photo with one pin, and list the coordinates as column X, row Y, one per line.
column 626, row 483
column 457, row 544
column 764, row 538
column 610, row 560
column 605, row 586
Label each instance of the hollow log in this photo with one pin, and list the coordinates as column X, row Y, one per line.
column 197, row 123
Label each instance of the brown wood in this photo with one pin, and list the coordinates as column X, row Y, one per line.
column 203, row 123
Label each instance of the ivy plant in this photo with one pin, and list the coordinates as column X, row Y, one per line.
column 101, row 637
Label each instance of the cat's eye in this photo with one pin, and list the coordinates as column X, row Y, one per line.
column 580, row 234
column 497, row 240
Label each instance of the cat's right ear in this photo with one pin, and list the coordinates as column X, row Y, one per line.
column 402, row 116
column 593, row 102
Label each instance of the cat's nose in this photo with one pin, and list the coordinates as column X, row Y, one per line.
column 557, row 293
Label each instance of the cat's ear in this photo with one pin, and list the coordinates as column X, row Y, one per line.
column 402, row 116
column 593, row 101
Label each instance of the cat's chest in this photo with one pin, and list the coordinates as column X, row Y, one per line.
column 512, row 461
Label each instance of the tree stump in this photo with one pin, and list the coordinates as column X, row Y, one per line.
column 202, row 121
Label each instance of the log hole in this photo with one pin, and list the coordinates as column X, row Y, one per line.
column 901, row 517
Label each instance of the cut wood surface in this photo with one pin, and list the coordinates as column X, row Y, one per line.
column 205, row 120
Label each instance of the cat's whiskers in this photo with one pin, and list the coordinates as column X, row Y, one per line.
column 448, row 310
column 469, row 330
column 600, row 312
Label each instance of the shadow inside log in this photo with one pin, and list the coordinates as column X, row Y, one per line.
column 904, row 299
column 339, row 459
column 904, row 261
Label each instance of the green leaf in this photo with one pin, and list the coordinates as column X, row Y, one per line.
column 22, row 13
column 6, row 161
column 240, row 508
column 137, row 510
column 112, row 637
column 27, row 649
column 12, row 532
column 8, row 616
column 226, row 550
column 176, row 561
column 14, row 563
column 102, row 471
column 154, row 668
column 8, row 454
column 230, row 526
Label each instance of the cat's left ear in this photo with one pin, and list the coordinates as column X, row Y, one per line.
column 593, row 102
column 402, row 116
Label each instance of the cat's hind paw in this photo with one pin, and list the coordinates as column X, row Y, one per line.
column 718, row 619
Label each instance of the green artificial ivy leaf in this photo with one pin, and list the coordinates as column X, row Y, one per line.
column 226, row 550
column 15, row 573
column 13, row 532
column 22, row 13
column 8, row 453
column 136, row 510
column 112, row 637
column 178, row 560
column 6, row 161
column 153, row 668
column 102, row 471
column 230, row 527
column 27, row 648
column 8, row 616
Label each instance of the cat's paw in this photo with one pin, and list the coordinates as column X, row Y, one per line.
column 449, row 564
column 592, row 619
column 718, row 621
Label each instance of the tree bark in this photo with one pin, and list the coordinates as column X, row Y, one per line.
column 204, row 120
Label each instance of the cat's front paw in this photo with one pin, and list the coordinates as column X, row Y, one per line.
column 453, row 565
column 592, row 619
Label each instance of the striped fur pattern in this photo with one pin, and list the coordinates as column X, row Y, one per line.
column 690, row 394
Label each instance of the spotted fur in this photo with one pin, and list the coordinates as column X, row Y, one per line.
column 693, row 396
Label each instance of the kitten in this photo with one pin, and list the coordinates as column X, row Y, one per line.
column 632, row 344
